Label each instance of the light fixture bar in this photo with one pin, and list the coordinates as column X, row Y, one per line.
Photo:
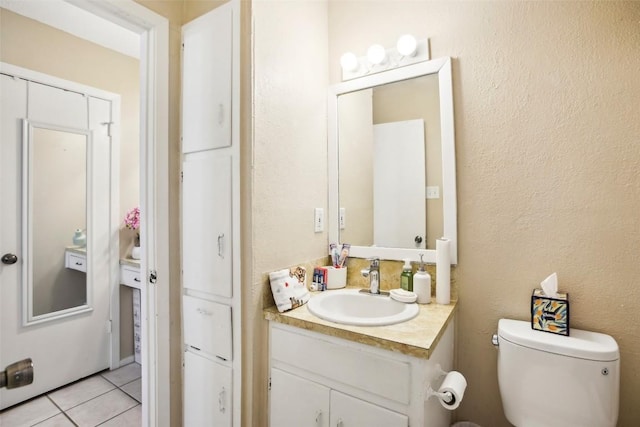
column 393, row 59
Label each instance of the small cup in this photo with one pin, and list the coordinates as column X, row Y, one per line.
column 336, row 277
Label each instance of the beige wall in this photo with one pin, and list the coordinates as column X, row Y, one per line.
column 546, row 113
column 289, row 157
column 35, row 46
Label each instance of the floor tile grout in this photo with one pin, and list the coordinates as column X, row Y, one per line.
column 99, row 374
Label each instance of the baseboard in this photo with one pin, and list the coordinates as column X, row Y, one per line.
column 127, row 360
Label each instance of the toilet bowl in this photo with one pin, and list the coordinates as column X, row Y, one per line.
column 549, row 380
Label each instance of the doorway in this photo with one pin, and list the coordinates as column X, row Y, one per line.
column 153, row 31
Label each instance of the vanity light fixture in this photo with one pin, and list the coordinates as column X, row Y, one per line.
column 349, row 62
column 376, row 54
column 408, row 51
column 407, row 45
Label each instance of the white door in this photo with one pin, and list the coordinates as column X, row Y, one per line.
column 207, row 248
column 399, row 183
column 206, row 81
column 208, row 395
column 56, row 316
column 295, row 401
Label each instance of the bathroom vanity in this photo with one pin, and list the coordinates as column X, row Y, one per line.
column 328, row 374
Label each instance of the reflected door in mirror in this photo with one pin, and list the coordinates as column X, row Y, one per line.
column 58, row 185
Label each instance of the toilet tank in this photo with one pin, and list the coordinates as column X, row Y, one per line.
column 557, row 381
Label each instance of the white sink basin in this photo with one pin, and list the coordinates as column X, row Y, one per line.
column 351, row 307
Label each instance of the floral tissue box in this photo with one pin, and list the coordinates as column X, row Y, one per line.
column 550, row 314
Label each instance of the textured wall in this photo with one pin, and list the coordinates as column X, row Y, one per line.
column 289, row 155
column 546, row 112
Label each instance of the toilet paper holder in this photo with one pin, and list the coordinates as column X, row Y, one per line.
column 448, row 397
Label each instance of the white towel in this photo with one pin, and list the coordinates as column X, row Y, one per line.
column 289, row 288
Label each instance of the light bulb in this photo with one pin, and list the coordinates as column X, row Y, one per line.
column 407, row 45
column 349, row 62
column 376, row 54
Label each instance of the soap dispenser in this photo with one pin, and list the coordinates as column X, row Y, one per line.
column 422, row 284
column 406, row 279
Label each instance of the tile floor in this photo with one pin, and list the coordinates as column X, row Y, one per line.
column 107, row 399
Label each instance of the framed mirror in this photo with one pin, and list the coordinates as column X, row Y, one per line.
column 55, row 185
column 392, row 177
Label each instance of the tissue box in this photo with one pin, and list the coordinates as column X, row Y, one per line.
column 550, row 314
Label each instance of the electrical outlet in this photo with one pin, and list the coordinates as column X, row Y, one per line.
column 318, row 220
column 343, row 218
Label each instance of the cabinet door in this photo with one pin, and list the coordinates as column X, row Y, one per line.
column 295, row 401
column 206, row 223
column 206, row 81
column 347, row 411
column 207, row 392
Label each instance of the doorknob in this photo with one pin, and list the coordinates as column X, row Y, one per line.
column 9, row 259
column 17, row 374
column 418, row 239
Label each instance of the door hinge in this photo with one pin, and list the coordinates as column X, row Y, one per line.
column 269, row 383
column 181, row 176
column 153, row 276
column 108, row 125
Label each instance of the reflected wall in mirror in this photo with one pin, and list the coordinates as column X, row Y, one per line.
column 389, row 153
column 57, row 187
column 392, row 190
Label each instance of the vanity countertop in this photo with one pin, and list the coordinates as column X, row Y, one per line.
column 130, row 261
column 417, row 337
column 80, row 250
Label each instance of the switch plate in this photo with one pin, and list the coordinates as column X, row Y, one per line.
column 343, row 218
column 318, row 220
column 433, row 192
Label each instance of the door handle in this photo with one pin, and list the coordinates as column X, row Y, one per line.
column 9, row 259
column 17, row 374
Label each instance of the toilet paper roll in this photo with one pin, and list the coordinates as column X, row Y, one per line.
column 443, row 271
column 454, row 383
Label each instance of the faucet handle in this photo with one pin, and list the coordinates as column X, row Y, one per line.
column 375, row 261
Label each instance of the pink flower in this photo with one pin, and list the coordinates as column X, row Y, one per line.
column 132, row 219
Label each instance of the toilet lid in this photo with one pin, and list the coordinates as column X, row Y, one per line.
column 581, row 344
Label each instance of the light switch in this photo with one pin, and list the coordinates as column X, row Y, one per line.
column 318, row 220
column 343, row 218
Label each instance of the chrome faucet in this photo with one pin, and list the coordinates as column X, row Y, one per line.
column 373, row 273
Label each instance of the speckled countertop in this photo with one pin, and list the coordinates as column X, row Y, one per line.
column 417, row 337
column 130, row 261
column 80, row 250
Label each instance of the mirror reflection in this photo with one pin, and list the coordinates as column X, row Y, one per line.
column 390, row 165
column 58, row 189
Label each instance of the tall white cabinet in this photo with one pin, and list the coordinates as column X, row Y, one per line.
column 211, row 218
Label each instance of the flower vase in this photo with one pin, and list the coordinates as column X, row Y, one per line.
column 135, row 251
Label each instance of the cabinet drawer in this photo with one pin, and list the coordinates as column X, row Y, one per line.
column 130, row 276
column 207, row 327
column 349, row 411
column 356, row 367
column 76, row 262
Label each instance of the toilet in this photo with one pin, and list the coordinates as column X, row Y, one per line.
column 549, row 380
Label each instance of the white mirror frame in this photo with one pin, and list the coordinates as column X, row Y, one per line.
column 441, row 67
column 28, row 318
